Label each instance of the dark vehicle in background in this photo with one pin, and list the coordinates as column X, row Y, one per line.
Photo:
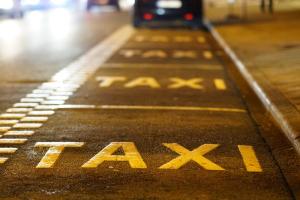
column 168, row 13
column 92, row 3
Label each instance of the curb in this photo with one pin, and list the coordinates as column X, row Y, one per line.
column 267, row 102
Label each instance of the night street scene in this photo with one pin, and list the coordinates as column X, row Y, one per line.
column 149, row 99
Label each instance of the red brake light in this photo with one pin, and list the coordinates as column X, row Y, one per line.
column 189, row 16
column 148, row 16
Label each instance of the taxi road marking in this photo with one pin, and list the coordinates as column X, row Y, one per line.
column 151, row 82
column 54, row 151
column 135, row 160
column 187, row 156
column 131, row 155
column 249, row 158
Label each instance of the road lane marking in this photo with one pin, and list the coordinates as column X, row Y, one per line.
column 131, row 155
column 42, row 101
column 13, row 141
column 37, row 95
column 25, row 105
column 249, row 157
column 208, row 55
column 162, row 54
column 19, row 133
column 19, row 110
column 28, row 125
column 107, row 81
column 54, row 151
column 34, row 119
column 220, row 84
column 196, row 155
column 4, row 128
column 32, row 100
column 8, row 150
column 194, row 83
column 44, row 112
column 209, row 67
column 12, row 116
column 142, row 107
column 143, row 81
column 152, row 82
column 3, row 160
column 8, row 122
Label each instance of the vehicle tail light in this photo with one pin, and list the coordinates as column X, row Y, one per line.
column 189, row 16
column 148, row 16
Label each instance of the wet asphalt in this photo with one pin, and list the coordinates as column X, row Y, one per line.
column 209, row 109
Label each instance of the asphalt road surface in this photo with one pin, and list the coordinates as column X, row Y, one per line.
column 94, row 109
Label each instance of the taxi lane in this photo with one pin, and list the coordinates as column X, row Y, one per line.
column 145, row 125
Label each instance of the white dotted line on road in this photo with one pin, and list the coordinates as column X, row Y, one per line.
column 21, row 121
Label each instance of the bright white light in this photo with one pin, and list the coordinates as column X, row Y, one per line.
column 31, row 2
column 58, row 2
column 6, row 4
column 171, row 4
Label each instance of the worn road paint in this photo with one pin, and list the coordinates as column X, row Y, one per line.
column 250, row 159
column 3, row 160
column 13, row 141
column 143, row 81
column 12, row 116
column 152, row 82
column 8, row 150
column 19, row 133
column 131, row 155
column 194, row 83
column 220, row 84
column 27, row 125
column 140, row 107
column 107, row 81
column 54, row 151
column 194, row 155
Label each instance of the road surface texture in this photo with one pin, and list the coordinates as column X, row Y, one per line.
column 94, row 109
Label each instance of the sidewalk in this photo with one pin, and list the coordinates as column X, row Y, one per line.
column 270, row 50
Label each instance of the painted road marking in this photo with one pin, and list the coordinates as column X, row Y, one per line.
column 8, row 150
column 12, row 116
column 152, row 82
column 131, row 155
column 135, row 160
column 161, row 54
column 58, row 88
column 143, row 81
column 18, row 110
column 3, row 160
column 13, row 141
column 194, row 155
column 27, row 125
column 209, row 67
column 19, row 133
column 54, row 151
column 194, row 83
column 25, row 105
column 249, row 157
column 140, row 107
column 34, row 119
column 220, row 84
column 4, row 128
column 8, row 122
column 167, row 39
column 43, row 113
